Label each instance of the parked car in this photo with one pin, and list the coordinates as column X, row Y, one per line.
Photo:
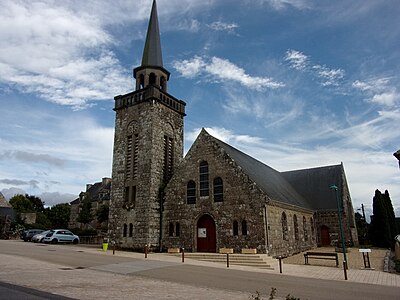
column 38, row 238
column 29, row 233
column 61, row 236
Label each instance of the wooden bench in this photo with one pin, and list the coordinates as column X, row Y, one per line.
column 321, row 255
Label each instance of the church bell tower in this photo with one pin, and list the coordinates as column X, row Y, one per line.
column 148, row 145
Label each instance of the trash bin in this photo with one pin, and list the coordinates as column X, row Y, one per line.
column 105, row 247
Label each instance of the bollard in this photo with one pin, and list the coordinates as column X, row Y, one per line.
column 280, row 264
column 345, row 269
column 145, row 251
column 183, row 255
column 113, row 243
column 227, row 260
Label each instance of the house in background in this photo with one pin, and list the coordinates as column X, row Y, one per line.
column 7, row 215
column 97, row 194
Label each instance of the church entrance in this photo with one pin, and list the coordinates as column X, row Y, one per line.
column 206, row 237
column 325, row 237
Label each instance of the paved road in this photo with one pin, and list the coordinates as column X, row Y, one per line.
column 85, row 273
column 15, row 292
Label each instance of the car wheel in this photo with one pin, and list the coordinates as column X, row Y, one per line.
column 54, row 241
column 75, row 241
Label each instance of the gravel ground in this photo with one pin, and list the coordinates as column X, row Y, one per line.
column 354, row 258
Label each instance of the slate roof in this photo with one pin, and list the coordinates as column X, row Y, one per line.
column 152, row 55
column 314, row 185
column 3, row 202
column 98, row 191
column 269, row 180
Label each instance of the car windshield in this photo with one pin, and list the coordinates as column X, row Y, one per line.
column 50, row 233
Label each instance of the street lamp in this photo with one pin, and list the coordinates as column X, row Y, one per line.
column 334, row 187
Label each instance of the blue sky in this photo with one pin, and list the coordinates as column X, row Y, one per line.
column 294, row 83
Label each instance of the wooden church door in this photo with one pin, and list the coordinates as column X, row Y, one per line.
column 206, row 236
column 325, row 237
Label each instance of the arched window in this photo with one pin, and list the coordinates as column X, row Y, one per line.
column 130, row 230
column 218, row 190
column 168, row 158
column 124, row 233
column 191, row 192
column 171, row 229
column 141, row 81
column 305, row 231
column 203, row 170
column 177, row 229
column 235, row 228
column 152, row 79
column 285, row 235
column 163, row 83
column 244, row 227
column 296, row 227
column 312, row 228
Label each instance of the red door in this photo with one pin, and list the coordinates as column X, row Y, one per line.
column 325, row 238
column 206, row 238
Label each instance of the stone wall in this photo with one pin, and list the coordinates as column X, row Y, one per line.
column 151, row 121
column 306, row 237
column 243, row 200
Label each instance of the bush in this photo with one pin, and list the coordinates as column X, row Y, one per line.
column 84, row 232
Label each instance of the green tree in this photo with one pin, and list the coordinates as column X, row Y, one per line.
column 102, row 213
column 59, row 215
column 85, row 215
column 380, row 233
column 21, row 204
column 42, row 221
column 362, row 228
column 391, row 217
column 37, row 203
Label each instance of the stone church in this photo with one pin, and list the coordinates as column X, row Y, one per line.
column 216, row 196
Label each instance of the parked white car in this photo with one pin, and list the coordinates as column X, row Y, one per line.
column 38, row 238
column 61, row 236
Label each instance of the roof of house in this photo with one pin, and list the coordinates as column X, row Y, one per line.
column 269, row 180
column 315, row 185
column 306, row 188
column 3, row 202
column 97, row 191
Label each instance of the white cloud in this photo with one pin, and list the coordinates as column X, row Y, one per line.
column 189, row 68
column 386, row 99
column 222, row 26
column 57, row 53
column 72, row 151
column 282, row 4
column 222, row 70
column 302, row 62
column 297, row 59
column 380, row 91
column 191, row 25
column 329, row 76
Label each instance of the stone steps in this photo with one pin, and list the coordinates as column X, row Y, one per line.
column 262, row 261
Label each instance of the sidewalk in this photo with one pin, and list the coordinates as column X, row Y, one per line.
column 117, row 280
column 308, row 271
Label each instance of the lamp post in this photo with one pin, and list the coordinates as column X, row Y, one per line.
column 334, row 187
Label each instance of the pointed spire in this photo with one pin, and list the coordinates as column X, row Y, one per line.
column 152, row 55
